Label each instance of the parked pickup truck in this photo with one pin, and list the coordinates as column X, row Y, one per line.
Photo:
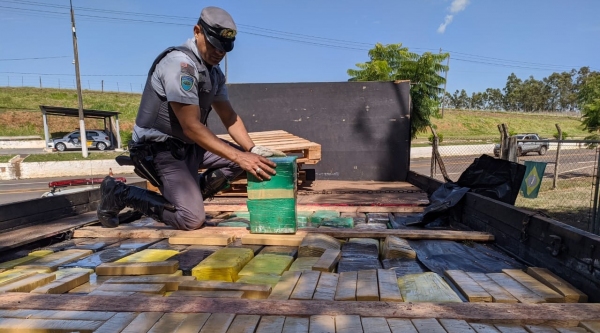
column 540, row 146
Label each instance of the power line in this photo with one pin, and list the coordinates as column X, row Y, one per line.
column 54, row 74
column 278, row 35
column 36, row 58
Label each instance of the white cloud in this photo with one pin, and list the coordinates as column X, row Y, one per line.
column 455, row 7
column 443, row 26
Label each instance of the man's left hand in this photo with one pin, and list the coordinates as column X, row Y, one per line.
column 267, row 152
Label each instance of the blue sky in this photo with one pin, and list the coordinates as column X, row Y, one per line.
column 298, row 41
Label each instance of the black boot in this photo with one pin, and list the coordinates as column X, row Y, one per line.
column 116, row 195
column 211, row 182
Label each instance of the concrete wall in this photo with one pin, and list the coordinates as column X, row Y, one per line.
column 363, row 127
column 26, row 170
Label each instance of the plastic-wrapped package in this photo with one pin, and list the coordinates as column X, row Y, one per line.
column 272, row 204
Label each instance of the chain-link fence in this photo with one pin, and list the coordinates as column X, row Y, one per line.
column 569, row 186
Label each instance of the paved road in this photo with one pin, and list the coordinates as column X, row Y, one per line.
column 26, row 189
column 24, row 151
column 573, row 163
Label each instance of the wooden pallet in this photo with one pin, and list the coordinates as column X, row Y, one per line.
column 310, row 152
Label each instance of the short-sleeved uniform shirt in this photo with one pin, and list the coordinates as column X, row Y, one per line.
column 177, row 78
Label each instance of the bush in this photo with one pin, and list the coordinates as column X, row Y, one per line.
column 440, row 138
column 125, row 138
column 564, row 135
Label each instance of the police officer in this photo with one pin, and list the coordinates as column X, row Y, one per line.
column 171, row 140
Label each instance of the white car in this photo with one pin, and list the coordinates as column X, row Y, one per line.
column 95, row 139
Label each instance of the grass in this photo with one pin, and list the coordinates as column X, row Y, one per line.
column 20, row 115
column 5, row 158
column 75, row 156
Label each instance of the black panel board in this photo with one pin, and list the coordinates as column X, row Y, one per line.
column 363, row 127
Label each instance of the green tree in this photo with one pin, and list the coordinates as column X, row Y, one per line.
column 393, row 62
column 513, row 93
column 589, row 99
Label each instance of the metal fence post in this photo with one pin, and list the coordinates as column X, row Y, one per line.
column 595, row 227
column 557, row 156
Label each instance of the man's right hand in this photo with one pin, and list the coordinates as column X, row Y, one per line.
column 257, row 165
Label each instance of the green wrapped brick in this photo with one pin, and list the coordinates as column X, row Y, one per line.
column 272, row 203
column 317, row 217
column 270, row 264
column 270, row 279
column 302, row 219
column 338, row 222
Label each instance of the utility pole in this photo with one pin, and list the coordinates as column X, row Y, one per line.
column 445, row 81
column 82, row 136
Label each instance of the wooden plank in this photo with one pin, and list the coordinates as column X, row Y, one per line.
column 138, row 268
column 63, row 284
column 401, row 325
column 137, row 288
column 516, row 289
column 54, row 260
column 499, row 294
column 217, row 323
column 346, row 287
column 253, row 291
column 322, row 324
column 294, row 240
column 117, row 323
column 265, row 239
column 592, row 326
column 367, row 288
column 284, row 288
column 47, row 325
column 375, row 325
column 28, row 284
column 53, row 314
column 206, row 293
column 244, row 324
column 326, row 287
column 271, row 324
column 388, row 286
column 426, row 287
column 557, row 284
column 540, row 329
column 295, row 325
column 171, row 282
column 143, row 322
column 571, row 330
column 565, row 314
column 428, row 326
column 193, row 323
column 305, row 288
column 327, row 261
column 27, row 235
column 455, row 326
column 348, row 324
column 510, row 328
column 223, row 240
column 167, row 322
column 534, row 285
column 400, row 208
column 484, row 328
column 471, row 289
column 97, row 292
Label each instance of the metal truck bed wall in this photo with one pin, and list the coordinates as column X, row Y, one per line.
column 363, row 127
column 539, row 241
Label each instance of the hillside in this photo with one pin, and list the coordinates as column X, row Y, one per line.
column 20, row 115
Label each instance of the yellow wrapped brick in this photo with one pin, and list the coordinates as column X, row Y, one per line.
column 267, row 264
column 304, row 264
column 223, row 265
column 270, row 279
column 149, row 255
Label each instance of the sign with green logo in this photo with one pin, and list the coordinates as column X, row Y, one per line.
column 532, row 181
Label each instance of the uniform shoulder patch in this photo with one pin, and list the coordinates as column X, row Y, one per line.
column 187, row 82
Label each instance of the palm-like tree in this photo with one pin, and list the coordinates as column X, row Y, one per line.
column 394, row 62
